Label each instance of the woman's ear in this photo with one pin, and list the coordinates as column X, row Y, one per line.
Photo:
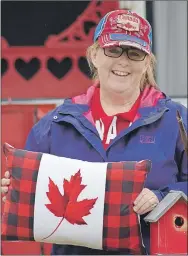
column 94, row 57
column 147, row 62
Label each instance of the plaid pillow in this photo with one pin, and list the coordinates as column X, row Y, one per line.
column 123, row 182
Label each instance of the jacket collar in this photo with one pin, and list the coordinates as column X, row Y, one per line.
column 77, row 113
column 74, row 109
column 150, row 96
column 152, row 103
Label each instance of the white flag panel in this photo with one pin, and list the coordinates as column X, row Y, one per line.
column 94, row 177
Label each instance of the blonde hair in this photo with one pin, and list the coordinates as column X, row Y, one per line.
column 148, row 77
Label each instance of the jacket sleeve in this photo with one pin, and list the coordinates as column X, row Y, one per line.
column 181, row 159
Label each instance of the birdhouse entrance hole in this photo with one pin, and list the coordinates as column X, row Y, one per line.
column 179, row 221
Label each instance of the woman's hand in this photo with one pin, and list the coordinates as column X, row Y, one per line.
column 5, row 182
column 145, row 202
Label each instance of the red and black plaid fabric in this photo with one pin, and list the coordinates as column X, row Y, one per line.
column 121, row 228
column 124, row 181
column 17, row 222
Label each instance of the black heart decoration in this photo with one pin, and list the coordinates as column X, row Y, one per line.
column 84, row 67
column 59, row 68
column 4, row 66
column 27, row 69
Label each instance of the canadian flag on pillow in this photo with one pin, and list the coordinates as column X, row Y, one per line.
column 66, row 201
column 69, row 202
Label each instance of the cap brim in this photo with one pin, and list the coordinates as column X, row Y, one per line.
column 105, row 42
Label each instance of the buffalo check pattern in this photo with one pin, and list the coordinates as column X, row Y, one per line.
column 121, row 228
column 17, row 222
column 124, row 181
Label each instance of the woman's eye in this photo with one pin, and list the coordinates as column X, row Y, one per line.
column 114, row 51
column 134, row 53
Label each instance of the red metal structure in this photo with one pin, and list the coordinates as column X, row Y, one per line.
column 64, row 52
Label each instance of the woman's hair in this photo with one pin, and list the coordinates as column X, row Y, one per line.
column 148, row 77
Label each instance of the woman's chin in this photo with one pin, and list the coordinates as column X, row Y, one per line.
column 119, row 89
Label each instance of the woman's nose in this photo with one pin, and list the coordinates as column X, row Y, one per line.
column 123, row 58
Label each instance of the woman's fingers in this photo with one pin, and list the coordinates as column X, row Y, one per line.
column 145, row 202
column 4, row 199
column 7, row 175
column 5, row 182
column 4, row 190
column 147, row 206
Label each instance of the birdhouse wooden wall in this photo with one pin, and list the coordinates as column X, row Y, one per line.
column 169, row 234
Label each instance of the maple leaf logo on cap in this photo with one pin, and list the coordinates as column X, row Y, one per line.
column 128, row 22
column 67, row 206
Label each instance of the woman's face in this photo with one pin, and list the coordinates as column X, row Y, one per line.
column 120, row 74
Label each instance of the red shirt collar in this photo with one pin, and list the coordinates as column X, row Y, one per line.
column 98, row 112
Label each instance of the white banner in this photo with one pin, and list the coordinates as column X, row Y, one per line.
column 50, row 189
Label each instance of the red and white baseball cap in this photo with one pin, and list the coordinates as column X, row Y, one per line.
column 124, row 27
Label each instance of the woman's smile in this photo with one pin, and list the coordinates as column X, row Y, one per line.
column 120, row 73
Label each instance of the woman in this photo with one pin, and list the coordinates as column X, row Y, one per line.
column 123, row 116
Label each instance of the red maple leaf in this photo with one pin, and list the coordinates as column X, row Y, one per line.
column 128, row 25
column 67, row 206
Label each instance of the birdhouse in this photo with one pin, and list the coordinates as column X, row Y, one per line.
column 168, row 225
